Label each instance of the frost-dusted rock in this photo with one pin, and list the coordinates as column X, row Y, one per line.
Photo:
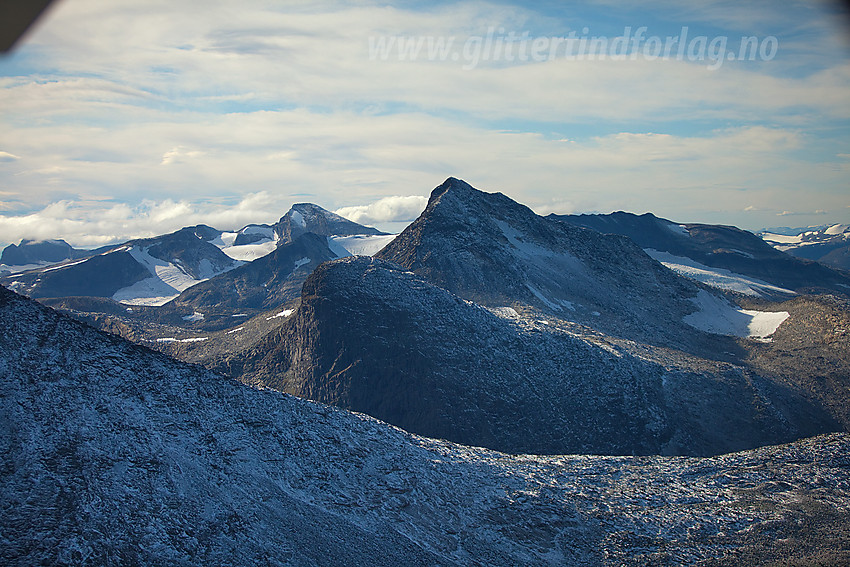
column 374, row 338
column 113, row 454
column 492, row 250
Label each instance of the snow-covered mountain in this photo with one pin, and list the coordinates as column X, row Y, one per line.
column 307, row 217
column 723, row 257
column 267, row 282
column 113, row 454
column 149, row 271
column 829, row 244
column 153, row 271
column 344, row 236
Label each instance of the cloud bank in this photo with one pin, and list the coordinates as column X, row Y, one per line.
column 160, row 106
column 388, row 209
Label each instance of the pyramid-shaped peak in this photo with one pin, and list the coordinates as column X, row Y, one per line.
column 455, row 186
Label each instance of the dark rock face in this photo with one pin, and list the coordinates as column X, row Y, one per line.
column 718, row 246
column 307, row 217
column 37, row 251
column 264, row 283
column 99, row 276
column 494, row 251
column 374, row 338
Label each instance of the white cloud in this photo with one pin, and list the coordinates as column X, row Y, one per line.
column 179, row 154
column 320, row 56
column 6, row 156
column 801, row 213
column 388, row 209
column 97, row 223
column 161, row 83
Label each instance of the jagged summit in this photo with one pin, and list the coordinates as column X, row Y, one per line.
column 488, row 248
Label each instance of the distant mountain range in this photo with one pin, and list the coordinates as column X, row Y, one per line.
column 724, row 257
column 36, row 252
column 828, row 244
column 153, row 271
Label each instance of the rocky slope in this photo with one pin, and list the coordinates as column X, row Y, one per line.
column 372, row 337
column 489, row 249
column 113, row 454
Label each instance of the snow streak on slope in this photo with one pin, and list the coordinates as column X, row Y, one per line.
column 247, row 252
column 716, row 315
column 361, row 245
column 715, row 277
column 166, row 282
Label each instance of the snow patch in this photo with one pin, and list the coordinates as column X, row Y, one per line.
column 542, row 298
column 297, row 218
column 236, row 330
column 63, row 266
column 337, row 248
column 266, row 231
column 173, row 340
column 284, row 313
column 361, row 244
column 224, row 239
column 782, row 238
column 720, row 278
column 678, row 229
column 837, row 229
column 194, row 317
column 301, row 262
column 716, row 315
column 167, row 280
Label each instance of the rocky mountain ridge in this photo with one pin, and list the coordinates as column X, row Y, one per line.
column 114, row 454
column 490, row 249
column 371, row 337
column 722, row 256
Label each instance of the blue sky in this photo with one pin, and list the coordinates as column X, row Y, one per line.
column 133, row 118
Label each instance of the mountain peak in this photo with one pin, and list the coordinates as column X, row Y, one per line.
column 454, row 186
column 309, row 217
